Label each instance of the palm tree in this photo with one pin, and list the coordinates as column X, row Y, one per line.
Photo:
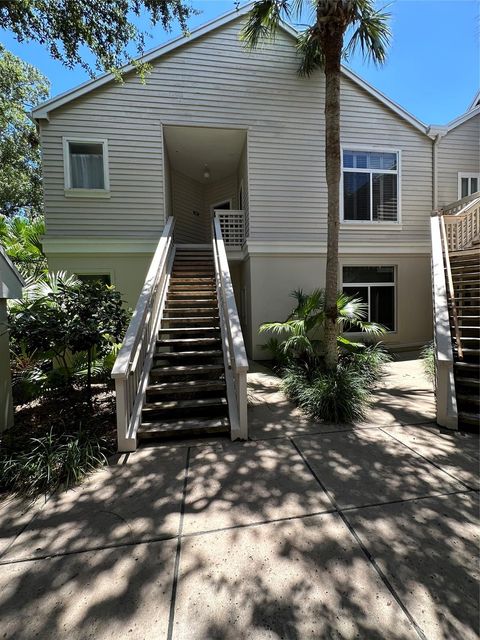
column 322, row 45
column 21, row 238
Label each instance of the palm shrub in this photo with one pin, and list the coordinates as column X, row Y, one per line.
column 336, row 395
column 21, row 238
column 299, row 339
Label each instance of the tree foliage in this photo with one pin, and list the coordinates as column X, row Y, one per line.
column 60, row 316
column 21, row 87
column 21, row 238
column 105, row 27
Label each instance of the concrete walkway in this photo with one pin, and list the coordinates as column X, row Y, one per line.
column 309, row 531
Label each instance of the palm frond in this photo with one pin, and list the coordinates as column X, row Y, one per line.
column 263, row 20
column 372, row 33
column 310, row 50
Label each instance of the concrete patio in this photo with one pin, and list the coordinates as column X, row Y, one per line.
column 308, row 531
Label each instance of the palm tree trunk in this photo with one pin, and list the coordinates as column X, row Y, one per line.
column 333, row 53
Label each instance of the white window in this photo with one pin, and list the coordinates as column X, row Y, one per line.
column 86, row 165
column 376, row 287
column 468, row 183
column 370, row 186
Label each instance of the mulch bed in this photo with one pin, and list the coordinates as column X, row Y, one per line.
column 65, row 412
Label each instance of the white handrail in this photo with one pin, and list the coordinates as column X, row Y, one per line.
column 132, row 365
column 447, row 415
column 235, row 355
column 459, row 205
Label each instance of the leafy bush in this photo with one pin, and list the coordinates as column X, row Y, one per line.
column 65, row 327
column 428, row 360
column 21, row 238
column 44, row 464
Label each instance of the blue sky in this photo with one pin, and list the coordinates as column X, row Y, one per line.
column 433, row 68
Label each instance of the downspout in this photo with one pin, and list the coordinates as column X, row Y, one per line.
column 439, row 134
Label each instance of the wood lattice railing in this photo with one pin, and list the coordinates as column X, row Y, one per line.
column 462, row 223
column 232, row 225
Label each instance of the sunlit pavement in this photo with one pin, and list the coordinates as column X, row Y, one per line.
column 310, row 530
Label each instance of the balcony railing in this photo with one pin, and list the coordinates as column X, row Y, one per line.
column 232, row 225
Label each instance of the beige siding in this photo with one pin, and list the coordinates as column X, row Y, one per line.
column 214, row 82
column 458, row 151
column 191, row 221
column 220, row 191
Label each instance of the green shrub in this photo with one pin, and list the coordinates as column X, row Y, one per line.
column 428, row 360
column 49, row 462
column 369, row 363
column 339, row 396
column 68, row 330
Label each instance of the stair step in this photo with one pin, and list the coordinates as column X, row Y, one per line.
column 192, row 403
column 190, row 370
column 467, row 382
column 182, row 331
column 468, row 399
column 178, row 428
column 191, row 295
column 178, row 304
column 186, row 386
column 472, row 419
column 472, row 366
column 186, row 320
column 177, row 355
column 192, row 287
column 187, row 342
column 192, row 274
column 176, row 280
column 177, row 310
column 470, row 352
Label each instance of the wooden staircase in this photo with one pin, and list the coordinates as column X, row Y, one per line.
column 186, row 392
column 465, row 270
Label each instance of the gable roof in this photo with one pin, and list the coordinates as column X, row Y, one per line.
column 42, row 111
column 475, row 102
column 444, row 129
column 11, row 282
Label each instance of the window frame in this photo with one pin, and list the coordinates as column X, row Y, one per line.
column 96, row 272
column 375, row 284
column 397, row 172
column 467, row 174
column 78, row 191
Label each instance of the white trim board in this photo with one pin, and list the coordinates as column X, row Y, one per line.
column 98, row 246
column 42, row 110
column 253, row 247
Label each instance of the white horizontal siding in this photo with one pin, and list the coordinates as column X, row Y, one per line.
column 214, row 82
column 458, row 151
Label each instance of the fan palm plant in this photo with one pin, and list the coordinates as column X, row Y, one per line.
column 323, row 44
column 21, row 238
column 302, row 333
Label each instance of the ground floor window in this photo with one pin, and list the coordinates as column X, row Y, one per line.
column 104, row 278
column 376, row 287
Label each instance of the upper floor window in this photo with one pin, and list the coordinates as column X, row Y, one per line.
column 468, row 183
column 86, row 164
column 370, row 186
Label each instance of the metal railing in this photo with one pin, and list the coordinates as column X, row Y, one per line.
column 232, row 225
column 132, row 366
column 235, row 356
column 462, row 222
column 447, row 414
